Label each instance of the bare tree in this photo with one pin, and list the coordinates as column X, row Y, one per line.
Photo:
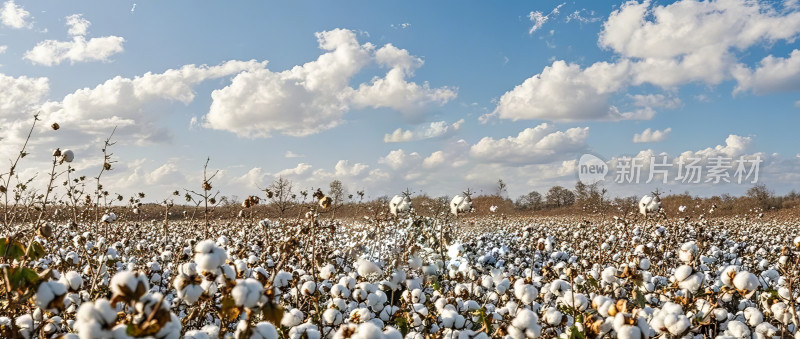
column 337, row 192
column 279, row 193
column 501, row 188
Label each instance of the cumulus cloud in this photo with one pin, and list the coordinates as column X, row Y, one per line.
column 541, row 144
column 3, row 49
column 77, row 24
column 79, row 49
column 649, row 135
column 566, row 92
column 773, row 74
column 313, row 97
column 659, row 45
column 121, row 101
column 436, row 129
column 18, row 95
column 14, row 16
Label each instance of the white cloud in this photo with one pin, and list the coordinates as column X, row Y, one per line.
column 394, row 91
column 3, row 49
column 300, row 169
column 541, row 144
column 433, row 130
column 14, row 16
column 539, row 19
column 79, row 49
column 53, row 52
column 649, row 135
column 655, row 100
column 565, row 92
column 290, row 154
column 17, row 95
column 78, row 25
column 659, row 45
column 399, row 159
column 313, row 97
column 772, row 75
column 120, row 101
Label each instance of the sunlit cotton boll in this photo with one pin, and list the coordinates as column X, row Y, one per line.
column 525, row 325
column 247, row 292
column 209, row 256
column 365, row 267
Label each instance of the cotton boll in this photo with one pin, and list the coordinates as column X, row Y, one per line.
column 753, row 316
column 365, row 267
column 526, row 293
column 308, row 288
column 247, row 292
column 688, row 252
column 264, row 330
column 209, row 256
column 552, row 316
column 577, row 301
column 50, row 296
column 331, row 316
column 746, row 281
column 525, row 325
column 609, row 275
column 728, row 274
column 682, row 272
column 306, row 330
column 293, row 318
column 737, row 329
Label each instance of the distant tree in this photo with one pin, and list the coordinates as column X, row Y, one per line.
column 559, row 196
column 530, row 201
column 280, row 195
column 337, row 193
column 761, row 194
column 501, row 188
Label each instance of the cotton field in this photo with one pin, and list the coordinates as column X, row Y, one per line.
column 400, row 275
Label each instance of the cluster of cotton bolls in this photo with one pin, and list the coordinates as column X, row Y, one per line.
column 408, row 276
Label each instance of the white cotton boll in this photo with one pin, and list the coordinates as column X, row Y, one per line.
column 131, row 281
column 339, row 291
column 415, row 262
column 753, row 316
column 306, row 331
column 693, row 282
column 282, row 279
column 525, row 325
column 392, row 333
column 737, row 329
column 48, row 292
column 327, row 272
column 552, row 316
column 292, row 318
column 765, row 330
column 264, row 330
column 728, row 274
column 609, row 275
column 720, row 314
column 746, row 281
column 308, row 288
column 628, row 332
column 503, row 286
column 526, row 293
column 644, row 264
column 331, row 316
column 577, row 301
column 208, row 256
column 796, row 241
column 688, row 252
column 682, row 272
column 247, row 292
column 25, row 325
column 365, row 267
column 559, row 287
column 676, row 324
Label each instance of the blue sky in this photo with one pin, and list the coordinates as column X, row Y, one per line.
column 462, row 81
